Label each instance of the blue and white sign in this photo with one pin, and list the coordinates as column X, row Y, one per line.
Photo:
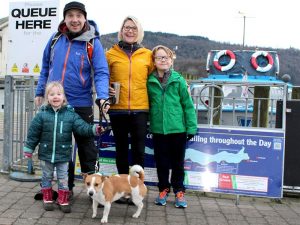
column 243, row 162
column 236, row 162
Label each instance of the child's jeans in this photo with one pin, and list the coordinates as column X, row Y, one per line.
column 61, row 172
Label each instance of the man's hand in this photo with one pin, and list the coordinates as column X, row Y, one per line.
column 38, row 100
column 100, row 103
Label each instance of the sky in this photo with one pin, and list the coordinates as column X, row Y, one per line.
column 268, row 23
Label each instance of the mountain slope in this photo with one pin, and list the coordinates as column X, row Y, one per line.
column 192, row 51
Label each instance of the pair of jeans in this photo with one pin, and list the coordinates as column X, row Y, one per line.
column 135, row 125
column 169, row 153
column 61, row 173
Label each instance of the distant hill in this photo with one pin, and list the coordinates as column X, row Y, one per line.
column 192, row 51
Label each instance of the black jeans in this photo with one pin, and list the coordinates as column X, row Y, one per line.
column 169, row 153
column 134, row 124
column 87, row 150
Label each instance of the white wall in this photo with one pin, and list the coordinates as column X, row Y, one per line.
column 3, row 54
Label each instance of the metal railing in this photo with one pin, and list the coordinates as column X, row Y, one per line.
column 18, row 112
column 215, row 106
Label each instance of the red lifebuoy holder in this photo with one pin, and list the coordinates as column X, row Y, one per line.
column 229, row 65
column 259, row 68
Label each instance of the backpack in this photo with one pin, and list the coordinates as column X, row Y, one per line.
column 89, row 45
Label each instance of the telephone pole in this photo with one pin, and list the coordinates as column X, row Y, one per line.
column 244, row 26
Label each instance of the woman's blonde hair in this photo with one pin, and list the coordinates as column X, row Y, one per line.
column 166, row 49
column 140, row 30
column 51, row 85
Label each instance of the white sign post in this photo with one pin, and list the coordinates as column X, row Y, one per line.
column 30, row 26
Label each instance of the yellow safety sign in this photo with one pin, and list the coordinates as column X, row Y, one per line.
column 14, row 68
column 36, row 68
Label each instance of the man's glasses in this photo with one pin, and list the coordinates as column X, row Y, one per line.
column 162, row 58
column 128, row 28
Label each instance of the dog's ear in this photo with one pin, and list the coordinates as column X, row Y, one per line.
column 103, row 178
column 84, row 175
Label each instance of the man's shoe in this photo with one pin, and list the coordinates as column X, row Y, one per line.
column 122, row 200
column 71, row 195
column 162, row 197
column 180, row 201
column 129, row 201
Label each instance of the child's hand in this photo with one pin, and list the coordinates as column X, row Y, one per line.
column 189, row 137
column 99, row 130
column 27, row 155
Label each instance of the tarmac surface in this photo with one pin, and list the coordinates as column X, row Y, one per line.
column 17, row 206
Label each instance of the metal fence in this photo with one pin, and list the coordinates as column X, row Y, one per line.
column 18, row 112
column 213, row 103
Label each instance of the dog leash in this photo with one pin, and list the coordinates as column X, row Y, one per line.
column 104, row 123
column 97, row 166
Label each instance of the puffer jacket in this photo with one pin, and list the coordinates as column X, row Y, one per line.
column 171, row 109
column 68, row 62
column 52, row 130
column 132, row 74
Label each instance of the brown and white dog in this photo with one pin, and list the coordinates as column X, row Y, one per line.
column 105, row 190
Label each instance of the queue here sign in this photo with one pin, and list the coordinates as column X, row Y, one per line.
column 30, row 26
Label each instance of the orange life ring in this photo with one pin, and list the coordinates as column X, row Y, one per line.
column 259, row 68
column 229, row 65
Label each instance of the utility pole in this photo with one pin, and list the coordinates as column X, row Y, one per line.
column 244, row 26
column 244, row 16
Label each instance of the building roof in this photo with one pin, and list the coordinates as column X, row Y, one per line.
column 3, row 22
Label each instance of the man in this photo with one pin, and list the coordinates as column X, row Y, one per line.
column 66, row 59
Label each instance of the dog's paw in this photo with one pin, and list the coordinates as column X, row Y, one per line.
column 94, row 215
column 136, row 215
column 104, row 220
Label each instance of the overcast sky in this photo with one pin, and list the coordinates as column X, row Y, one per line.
column 269, row 23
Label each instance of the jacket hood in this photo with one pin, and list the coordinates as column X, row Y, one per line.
column 45, row 107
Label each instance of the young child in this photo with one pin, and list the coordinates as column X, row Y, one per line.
column 52, row 129
column 172, row 122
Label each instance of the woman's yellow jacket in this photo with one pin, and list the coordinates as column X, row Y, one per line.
column 132, row 74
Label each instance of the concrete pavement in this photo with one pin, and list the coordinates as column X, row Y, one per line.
column 17, row 207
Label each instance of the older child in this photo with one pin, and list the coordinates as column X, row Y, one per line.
column 52, row 129
column 172, row 122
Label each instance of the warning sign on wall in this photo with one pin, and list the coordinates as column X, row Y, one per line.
column 31, row 25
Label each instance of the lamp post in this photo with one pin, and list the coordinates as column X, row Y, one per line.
column 244, row 26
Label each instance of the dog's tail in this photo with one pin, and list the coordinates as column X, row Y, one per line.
column 137, row 171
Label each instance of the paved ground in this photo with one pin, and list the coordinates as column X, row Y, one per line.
column 17, row 206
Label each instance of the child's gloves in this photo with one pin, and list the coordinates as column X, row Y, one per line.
column 189, row 137
column 99, row 130
column 27, row 155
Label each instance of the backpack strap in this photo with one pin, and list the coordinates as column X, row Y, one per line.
column 55, row 39
column 89, row 49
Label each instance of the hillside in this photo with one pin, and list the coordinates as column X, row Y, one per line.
column 192, row 51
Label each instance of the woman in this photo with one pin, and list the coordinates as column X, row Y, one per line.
column 129, row 65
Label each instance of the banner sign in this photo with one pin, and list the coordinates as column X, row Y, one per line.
column 242, row 162
column 31, row 25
